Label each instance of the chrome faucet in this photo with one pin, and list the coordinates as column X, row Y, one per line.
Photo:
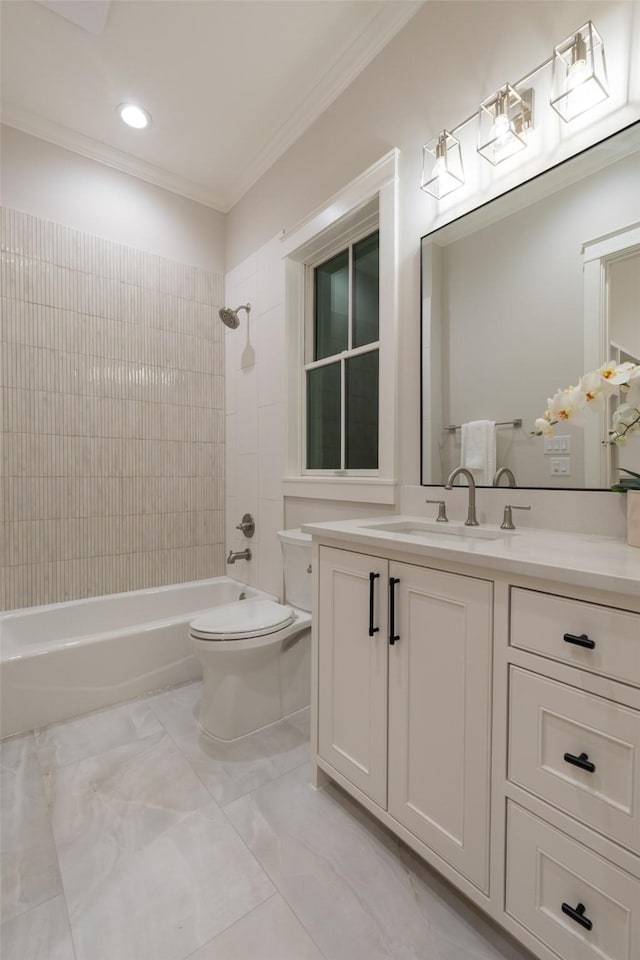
column 239, row 555
column 471, row 520
column 506, row 472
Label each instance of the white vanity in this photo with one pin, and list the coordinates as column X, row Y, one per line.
column 479, row 692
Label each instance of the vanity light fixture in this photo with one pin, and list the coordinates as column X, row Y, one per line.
column 442, row 170
column 579, row 79
column 134, row 115
column 504, row 118
column 579, row 82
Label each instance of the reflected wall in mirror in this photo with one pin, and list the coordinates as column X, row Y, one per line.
column 519, row 298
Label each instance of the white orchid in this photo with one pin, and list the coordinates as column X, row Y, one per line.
column 543, row 427
column 616, row 373
column 632, row 389
column 596, row 389
column 626, row 422
column 570, row 403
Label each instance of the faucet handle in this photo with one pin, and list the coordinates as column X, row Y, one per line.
column 247, row 525
column 507, row 520
column 442, row 511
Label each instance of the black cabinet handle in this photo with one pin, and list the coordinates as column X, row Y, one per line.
column 393, row 636
column 580, row 641
column 582, row 761
column 577, row 914
column 372, row 578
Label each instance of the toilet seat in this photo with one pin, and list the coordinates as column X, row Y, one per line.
column 242, row 620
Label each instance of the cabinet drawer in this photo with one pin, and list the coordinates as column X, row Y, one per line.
column 547, row 624
column 578, row 751
column 546, row 869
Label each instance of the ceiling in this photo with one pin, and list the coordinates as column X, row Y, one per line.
column 230, row 84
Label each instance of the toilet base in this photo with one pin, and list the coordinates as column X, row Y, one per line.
column 246, row 689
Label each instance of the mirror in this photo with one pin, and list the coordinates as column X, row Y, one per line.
column 520, row 297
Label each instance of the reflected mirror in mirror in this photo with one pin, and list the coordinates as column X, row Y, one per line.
column 520, row 297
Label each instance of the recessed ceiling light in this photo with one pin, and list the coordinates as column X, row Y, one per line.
column 134, row 116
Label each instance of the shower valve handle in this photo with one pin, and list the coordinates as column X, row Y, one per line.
column 247, row 525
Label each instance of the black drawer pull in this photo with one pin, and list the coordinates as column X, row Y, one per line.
column 372, row 629
column 580, row 641
column 577, row 914
column 582, row 761
column 393, row 636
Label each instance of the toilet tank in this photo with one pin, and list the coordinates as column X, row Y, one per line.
column 296, row 552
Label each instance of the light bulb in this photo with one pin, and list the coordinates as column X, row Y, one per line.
column 134, row 116
column 440, row 167
column 500, row 128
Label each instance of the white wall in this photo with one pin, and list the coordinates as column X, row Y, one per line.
column 52, row 183
column 256, row 414
column 433, row 73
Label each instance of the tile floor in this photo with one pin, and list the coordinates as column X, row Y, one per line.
column 127, row 835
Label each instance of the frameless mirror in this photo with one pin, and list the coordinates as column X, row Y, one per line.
column 519, row 298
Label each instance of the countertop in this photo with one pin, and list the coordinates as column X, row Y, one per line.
column 584, row 560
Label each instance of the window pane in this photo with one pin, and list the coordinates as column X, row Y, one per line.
column 366, row 284
column 323, row 418
column 362, row 412
column 331, row 313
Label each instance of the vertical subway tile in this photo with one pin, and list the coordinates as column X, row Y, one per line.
column 112, row 380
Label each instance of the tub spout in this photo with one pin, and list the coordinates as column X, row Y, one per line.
column 239, row 555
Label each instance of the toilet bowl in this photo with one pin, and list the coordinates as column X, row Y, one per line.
column 256, row 654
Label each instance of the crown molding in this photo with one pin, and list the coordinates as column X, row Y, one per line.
column 387, row 22
column 62, row 136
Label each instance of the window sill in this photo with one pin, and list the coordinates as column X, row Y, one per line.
column 355, row 489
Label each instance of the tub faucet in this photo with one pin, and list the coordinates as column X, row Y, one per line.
column 239, row 555
column 471, row 520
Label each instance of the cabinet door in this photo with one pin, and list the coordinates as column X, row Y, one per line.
column 352, row 674
column 440, row 715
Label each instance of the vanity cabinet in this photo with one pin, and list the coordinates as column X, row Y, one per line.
column 404, row 679
column 491, row 719
column 573, row 747
column 353, row 669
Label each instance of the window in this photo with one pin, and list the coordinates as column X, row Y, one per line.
column 341, row 321
column 342, row 368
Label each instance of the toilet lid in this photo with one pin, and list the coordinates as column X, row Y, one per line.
column 246, row 618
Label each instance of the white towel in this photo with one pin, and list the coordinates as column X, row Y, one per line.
column 478, row 450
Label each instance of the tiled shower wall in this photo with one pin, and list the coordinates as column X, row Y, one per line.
column 112, row 416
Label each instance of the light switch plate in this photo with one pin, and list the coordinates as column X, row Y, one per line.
column 555, row 445
column 561, row 467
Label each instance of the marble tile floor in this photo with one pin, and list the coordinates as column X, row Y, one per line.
column 128, row 835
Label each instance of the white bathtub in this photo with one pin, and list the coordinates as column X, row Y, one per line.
column 64, row 659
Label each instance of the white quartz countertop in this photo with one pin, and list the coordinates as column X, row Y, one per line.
column 584, row 560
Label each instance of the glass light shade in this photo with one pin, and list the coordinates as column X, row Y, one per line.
column 579, row 79
column 504, row 118
column 442, row 170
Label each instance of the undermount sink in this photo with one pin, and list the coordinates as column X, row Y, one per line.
column 422, row 528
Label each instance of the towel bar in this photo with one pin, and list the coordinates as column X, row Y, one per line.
column 451, row 428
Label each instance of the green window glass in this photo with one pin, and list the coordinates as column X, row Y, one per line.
column 361, row 389
column 331, row 307
column 366, row 285
column 323, row 418
column 342, row 396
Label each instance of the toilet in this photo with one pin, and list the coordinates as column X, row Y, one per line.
column 256, row 653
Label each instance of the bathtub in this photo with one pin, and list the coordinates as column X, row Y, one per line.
column 64, row 659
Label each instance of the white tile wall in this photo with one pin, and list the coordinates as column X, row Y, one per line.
column 112, row 382
column 255, row 396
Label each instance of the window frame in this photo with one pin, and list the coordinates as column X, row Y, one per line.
column 368, row 203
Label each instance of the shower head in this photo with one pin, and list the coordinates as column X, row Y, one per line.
column 230, row 317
